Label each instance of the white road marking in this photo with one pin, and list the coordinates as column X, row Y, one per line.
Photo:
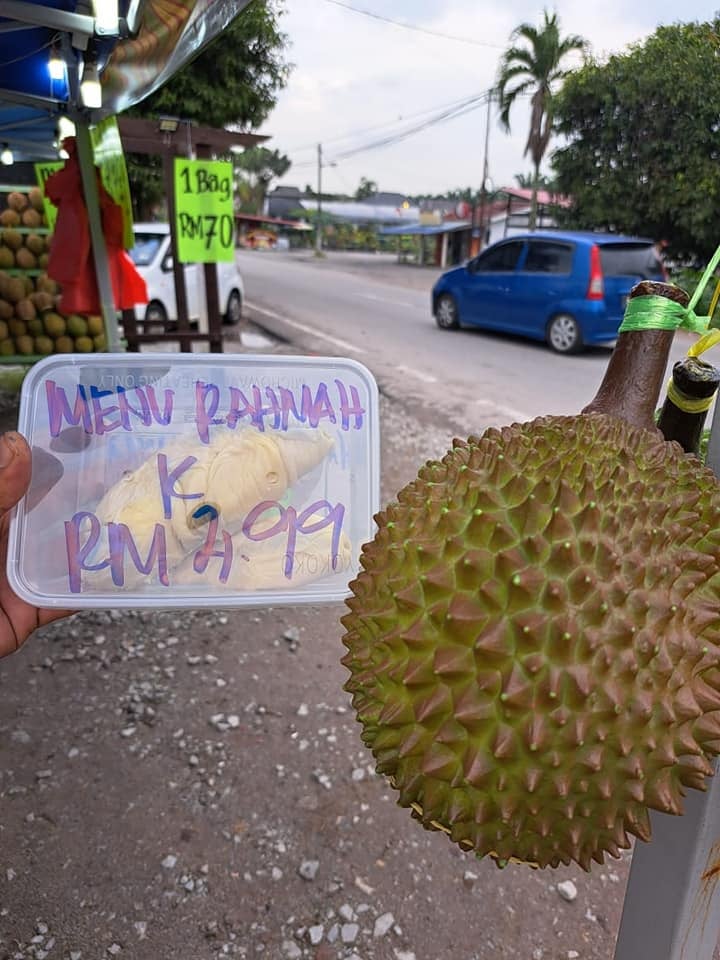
column 425, row 377
column 395, row 303
column 336, row 341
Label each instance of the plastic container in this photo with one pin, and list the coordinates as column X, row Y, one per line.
column 187, row 480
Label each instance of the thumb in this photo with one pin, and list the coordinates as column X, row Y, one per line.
column 15, row 468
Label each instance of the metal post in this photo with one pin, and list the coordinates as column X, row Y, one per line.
column 672, row 902
column 318, row 226
column 99, row 249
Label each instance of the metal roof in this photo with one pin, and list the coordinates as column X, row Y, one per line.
column 426, row 229
column 135, row 50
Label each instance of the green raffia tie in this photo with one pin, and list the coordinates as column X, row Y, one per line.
column 659, row 313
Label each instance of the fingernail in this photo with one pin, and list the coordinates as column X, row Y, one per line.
column 8, row 449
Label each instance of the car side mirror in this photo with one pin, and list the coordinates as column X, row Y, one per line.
column 167, row 264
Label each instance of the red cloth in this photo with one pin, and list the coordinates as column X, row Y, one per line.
column 70, row 260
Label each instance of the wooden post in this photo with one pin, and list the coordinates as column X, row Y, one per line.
column 183, row 319
column 212, row 298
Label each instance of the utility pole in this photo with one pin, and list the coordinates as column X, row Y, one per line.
column 483, row 188
column 318, row 225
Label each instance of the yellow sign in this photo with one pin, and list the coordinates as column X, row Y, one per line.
column 204, row 215
column 42, row 172
column 109, row 157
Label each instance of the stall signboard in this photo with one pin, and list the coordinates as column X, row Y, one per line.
column 204, row 215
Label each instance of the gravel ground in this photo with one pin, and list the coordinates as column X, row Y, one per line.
column 187, row 786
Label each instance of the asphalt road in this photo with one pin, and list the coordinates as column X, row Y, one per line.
column 378, row 312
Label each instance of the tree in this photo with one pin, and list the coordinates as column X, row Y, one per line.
column 526, row 180
column 234, row 82
column 366, row 189
column 255, row 169
column 644, row 131
column 536, row 68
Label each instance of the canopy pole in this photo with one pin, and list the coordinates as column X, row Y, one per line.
column 99, row 248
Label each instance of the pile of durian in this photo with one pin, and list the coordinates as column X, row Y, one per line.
column 30, row 322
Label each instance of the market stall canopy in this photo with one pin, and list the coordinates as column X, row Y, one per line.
column 71, row 58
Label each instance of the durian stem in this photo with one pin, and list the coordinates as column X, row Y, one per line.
column 631, row 387
column 695, row 381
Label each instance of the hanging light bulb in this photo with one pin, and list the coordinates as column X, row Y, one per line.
column 90, row 89
column 6, row 157
column 66, row 128
column 56, row 65
column 106, row 17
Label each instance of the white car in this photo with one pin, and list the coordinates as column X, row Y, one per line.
column 153, row 258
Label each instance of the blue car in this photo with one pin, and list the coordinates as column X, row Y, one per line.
column 566, row 288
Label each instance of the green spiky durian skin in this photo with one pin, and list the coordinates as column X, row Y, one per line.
column 533, row 642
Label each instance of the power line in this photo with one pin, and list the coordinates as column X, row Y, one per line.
column 413, row 26
column 460, row 111
column 387, row 123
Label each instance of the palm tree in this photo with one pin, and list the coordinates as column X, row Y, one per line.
column 535, row 67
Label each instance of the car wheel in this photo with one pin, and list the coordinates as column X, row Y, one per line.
column 446, row 312
column 155, row 313
column 233, row 314
column 564, row 334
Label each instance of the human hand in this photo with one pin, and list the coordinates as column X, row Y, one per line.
column 18, row 618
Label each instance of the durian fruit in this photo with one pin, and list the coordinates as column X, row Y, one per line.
column 234, row 472
column 10, row 218
column 77, row 326
column 35, row 196
column 15, row 289
column 35, row 243
column 534, row 638
column 44, row 345
column 25, row 259
column 31, row 218
column 54, row 324
column 12, row 238
column 17, row 201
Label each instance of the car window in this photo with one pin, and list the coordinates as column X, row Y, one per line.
column 630, row 260
column 546, row 256
column 145, row 249
column 501, row 259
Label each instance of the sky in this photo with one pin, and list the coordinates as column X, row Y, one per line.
column 356, row 79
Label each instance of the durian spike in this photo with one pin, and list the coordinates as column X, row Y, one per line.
column 631, row 386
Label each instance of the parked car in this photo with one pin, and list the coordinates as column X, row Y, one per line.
column 153, row 258
column 567, row 288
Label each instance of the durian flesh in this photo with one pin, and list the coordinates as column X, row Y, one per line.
column 533, row 640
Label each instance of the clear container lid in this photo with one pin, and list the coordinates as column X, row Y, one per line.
column 189, row 480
